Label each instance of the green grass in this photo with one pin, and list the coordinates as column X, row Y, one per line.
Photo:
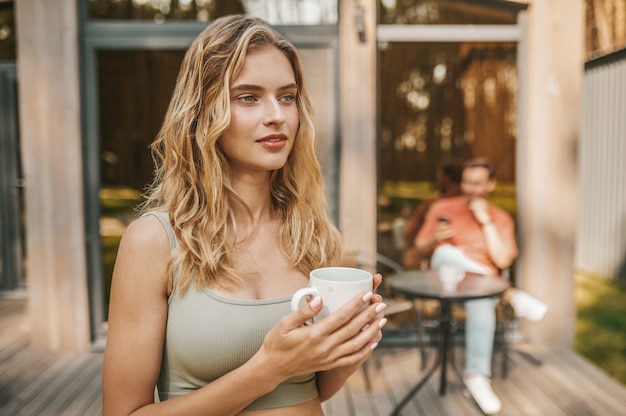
column 109, row 253
column 116, row 200
column 601, row 324
column 393, row 196
column 115, row 203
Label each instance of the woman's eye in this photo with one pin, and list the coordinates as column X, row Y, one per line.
column 288, row 98
column 247, row 99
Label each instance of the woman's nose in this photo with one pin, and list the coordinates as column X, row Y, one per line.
column 274, row 112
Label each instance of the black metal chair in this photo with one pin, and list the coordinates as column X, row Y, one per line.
column 404, row 327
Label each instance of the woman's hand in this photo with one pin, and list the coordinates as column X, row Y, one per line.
column 342, row 339
column 329, row 382
column 376, row 298
column 376, row 282
column 334, row 347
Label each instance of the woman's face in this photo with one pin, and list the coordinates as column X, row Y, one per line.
column 264, row 115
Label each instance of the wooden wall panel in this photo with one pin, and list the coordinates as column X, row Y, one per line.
column 601, row 242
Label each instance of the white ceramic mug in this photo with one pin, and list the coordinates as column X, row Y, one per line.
column 335, row 285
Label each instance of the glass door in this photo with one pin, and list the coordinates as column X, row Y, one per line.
column 12, row 221
column 11, row 196
column 445, row 94
column 134, row 90
column 132, row 53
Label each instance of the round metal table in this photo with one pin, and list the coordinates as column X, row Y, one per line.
column 417, row 284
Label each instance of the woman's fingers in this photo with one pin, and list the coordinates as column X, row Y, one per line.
column 307, row 348
column 345, row 337
column 376, row 281
column 347, row 313
column 303, row 315
column 364, row 328
column 358, row 349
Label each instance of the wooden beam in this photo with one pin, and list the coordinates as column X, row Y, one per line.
column 547, row 156
column 48, row 82
column 357, row 183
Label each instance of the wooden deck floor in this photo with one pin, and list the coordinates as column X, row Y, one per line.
column 38, row 383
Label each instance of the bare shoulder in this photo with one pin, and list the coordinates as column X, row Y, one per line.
column 137, row 317
column 147, row 231
column 144, row 252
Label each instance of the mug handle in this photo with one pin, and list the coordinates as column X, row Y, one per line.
column 301, row 294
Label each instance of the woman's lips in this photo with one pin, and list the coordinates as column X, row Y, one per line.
column 273, row 142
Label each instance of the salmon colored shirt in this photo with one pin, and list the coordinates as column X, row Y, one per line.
column 469, row 237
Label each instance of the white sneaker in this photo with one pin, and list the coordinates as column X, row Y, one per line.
column 479, row 387
column 526, row 306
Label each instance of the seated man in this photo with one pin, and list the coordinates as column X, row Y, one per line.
column 475, row 236
column 448, row 184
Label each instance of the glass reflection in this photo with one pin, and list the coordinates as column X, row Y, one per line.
column 446, row 100
column 160, row 11
column 424, row 12
column 442, row 102
column 278, row 12
column 7, row 32
column 134, row 89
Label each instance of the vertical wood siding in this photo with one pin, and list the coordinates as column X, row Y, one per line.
column 601, row 239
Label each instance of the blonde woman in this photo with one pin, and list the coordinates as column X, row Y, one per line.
column 234, row 221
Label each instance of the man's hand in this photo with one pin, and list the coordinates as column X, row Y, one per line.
column 501, row 253
column 443, row 231
column 480, row 208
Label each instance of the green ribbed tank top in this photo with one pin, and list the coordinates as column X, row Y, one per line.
column 208, row 336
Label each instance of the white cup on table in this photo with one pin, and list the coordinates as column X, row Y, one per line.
column 335, row 285
column 450, row 277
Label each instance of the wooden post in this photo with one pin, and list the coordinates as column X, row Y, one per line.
column 357, row 183
column 547, row 162
column 48, row 85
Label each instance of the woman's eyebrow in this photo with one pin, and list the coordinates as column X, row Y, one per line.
column 252, row 87
column 246, row 87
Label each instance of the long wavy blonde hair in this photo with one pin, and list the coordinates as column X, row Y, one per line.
column 192, row 178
